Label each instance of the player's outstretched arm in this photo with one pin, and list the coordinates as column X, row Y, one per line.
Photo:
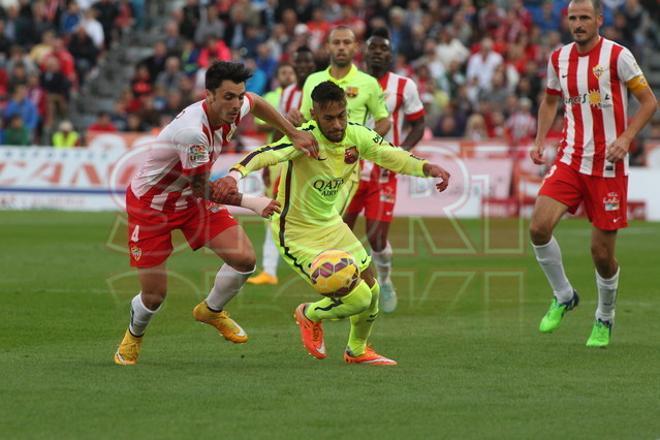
column 302, row 140
column 547, row 112
column 433, row 170
column 225, row 191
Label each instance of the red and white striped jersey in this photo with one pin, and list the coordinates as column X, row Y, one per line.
column 291, row 98
column 593, row 87
column 404, row 104
column 187, row 146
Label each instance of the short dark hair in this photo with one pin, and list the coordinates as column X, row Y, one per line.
column 303, row 49
column 326, row 92
column 381, row 32
column 223, row 70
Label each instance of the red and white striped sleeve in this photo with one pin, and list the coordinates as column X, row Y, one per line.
column 413, row 108
column 627, row 68
column 553, row 85
column 194, row 151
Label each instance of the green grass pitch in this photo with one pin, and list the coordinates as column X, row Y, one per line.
column 471, row 361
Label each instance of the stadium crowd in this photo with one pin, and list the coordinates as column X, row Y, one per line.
column 479, row 65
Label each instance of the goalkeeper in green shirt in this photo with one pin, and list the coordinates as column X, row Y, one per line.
column 309, row 223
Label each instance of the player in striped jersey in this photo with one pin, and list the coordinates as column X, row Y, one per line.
column 290, row 99
column 172, row 191
column 376, row 194
column 592, row 76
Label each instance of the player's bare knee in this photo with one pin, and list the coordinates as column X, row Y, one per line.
column 243, row 262
column 152, row 298
column 540, row 233
column 601, row 255
column 377, row 242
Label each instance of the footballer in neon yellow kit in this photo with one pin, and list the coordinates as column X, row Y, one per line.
column 309, row 223
column 364, row 96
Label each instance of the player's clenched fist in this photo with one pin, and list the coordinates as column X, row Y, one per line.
column 433, row 170
column 536, row 153
column 223, row 188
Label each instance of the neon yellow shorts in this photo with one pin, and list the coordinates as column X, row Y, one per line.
column 299, row 246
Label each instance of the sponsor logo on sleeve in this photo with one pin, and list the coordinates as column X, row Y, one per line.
column 198, row 154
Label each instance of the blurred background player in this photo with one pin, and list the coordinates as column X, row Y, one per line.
column 290, row 100
column 309, row 223
column 364, row 95
column 285, row 76
column 172, row 191
column 592, row 75
column 376, row 194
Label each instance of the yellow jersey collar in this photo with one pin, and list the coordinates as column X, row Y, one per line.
column 349, row 76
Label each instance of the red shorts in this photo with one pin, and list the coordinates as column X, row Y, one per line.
column 605, row 198
column 150, row 231
column 376, row 199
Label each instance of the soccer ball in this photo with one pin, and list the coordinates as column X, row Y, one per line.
column 334, row 273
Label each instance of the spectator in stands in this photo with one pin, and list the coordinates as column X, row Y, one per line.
column 40, row 51
column 57, row 88
column 189, row 20
column 107, row 12
column 17, row 55
column 521, row 125
column 135, row 124
column 172, row 76
column 210, row 25
column 16, row 133
column 155, row 63
column 5, row 42
column 215, row 49
column 70, row 18
column 481, row 65
column 84, row 52
column 447, row 127
column 189, row 58
column 21, row 105
column 66, row 136
column 450, row 49
column 173, row 42
column 475, row 129
column 18, row 75
column 399, row 31
column 93, row 27
column 103, row 124
column 37, row 96
column 141, row 83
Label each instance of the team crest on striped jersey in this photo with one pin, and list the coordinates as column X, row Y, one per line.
column 598, row 70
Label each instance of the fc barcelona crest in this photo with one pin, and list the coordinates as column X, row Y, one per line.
column 351, row 92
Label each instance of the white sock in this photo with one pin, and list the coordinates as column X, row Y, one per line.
column 549, row 257
column 271, row 254
column 228, row 282
column 607, row 296
column 383, row 262
column 140, row 315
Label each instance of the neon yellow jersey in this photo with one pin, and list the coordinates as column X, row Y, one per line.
column 363, row 93
column 309, row 187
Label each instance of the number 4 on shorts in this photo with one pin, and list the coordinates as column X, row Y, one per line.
column 136, row 233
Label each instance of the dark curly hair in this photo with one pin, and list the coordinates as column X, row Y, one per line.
column 326, row 92
column 224, row 70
